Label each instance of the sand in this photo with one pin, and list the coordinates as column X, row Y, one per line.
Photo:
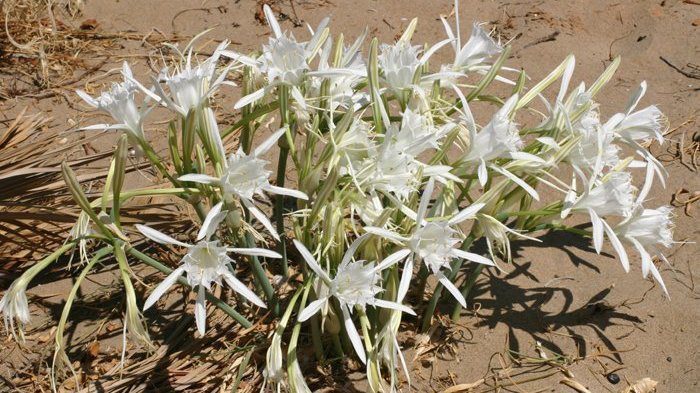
column 557, row 297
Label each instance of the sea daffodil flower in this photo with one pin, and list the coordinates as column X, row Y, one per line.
column 355, row 285
column 206, row 262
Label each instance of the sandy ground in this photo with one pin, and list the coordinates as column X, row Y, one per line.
column 558, row 295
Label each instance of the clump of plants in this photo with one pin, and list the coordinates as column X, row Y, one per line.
column 394, row 181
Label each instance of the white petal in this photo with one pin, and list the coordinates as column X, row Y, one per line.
column 617, row 245
column 466, row 213
column 199, row 178
column 311, row 261
column 250, row 98
column 405, row 282
column 354, row 336
column 249, row 61
column 528, row 188
column 262, row 218
column 258, row 252
column 385, row 233
column 483, row 173
column 646, row 258
column 597, row 223
column 470, row 256
column 269, row 142
column 393, row 306
column 274, row 25
column 159, row 237
column 87, row 98
column 200, row 311
column 286, row 191
column 212, row 221
column 353, row 247
column 657, row 276
column 392, row 259
column 434, row 49
column 311, row 309
column 239, row 287
column 451, row 288
column 163, row 287
column 425, row 200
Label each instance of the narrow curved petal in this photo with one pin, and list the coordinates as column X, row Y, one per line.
column 425, row 200
column 617, row 245
column 470, row 256
column 159, row 237
column 286, row 191
column 250, row 98
column 212, row 221
column 657, row 276
column 405, row 282
column 597, row 223
column 239, row 287
column 262, row 218
column 311, row 261
column 269, row 142
column 466, row 213
column 385, row 233
column 483, row 173
column 354, row 336
column 199, row 178
column 163, row 287
column 393, row 306
column 353, row 248
column 392, row 259
column 258, row 252
column 451, row 288
column 272, row 21
column 311, row 309
column 528, row 188
column 87, row 98
column 200, row 311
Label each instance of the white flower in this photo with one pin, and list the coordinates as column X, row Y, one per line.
column 190, row 87
column 497, row 235
column 399, row 63
column 284, row 60
column 245, row 176
column 391, row 168
column 434, row 242
column 643, row 124
column 478, row 50
column 417, row 134
column 14, row 305
column 343, row 78
column 498, row 138
column 595, row 149
column 119, row 103
column 353, row 146
column 356, row 284
column 646, row 230
column 206, row 262
column 611, row 196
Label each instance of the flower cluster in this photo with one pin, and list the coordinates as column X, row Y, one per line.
column 394, row 181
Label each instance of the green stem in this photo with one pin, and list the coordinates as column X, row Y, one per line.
column 281, row 176
column 213, row 299
column 261, row 277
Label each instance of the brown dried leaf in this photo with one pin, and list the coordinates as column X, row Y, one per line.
column 644, row 385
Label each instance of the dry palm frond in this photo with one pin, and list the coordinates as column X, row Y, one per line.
column 35, row 208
